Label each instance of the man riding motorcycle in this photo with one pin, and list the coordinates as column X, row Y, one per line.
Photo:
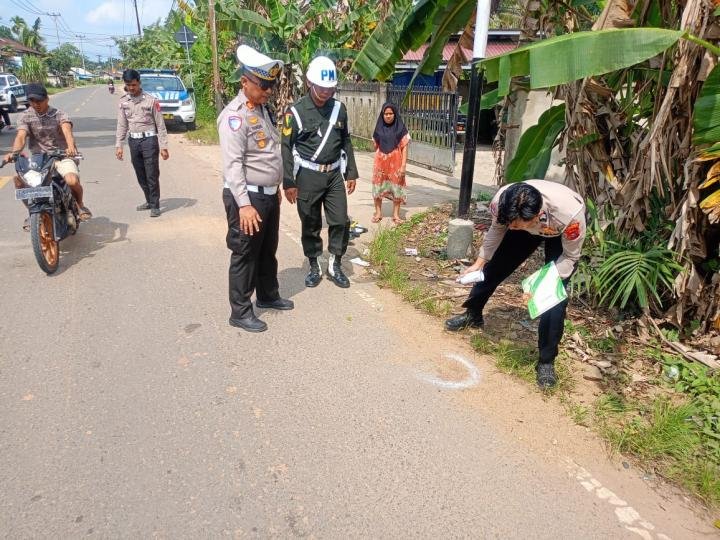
column 47, row 128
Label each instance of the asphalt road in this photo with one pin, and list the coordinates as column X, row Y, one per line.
column 131, row 409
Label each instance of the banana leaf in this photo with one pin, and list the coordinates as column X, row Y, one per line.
column 571, row 57
column 244, row 21
column 447, row 21
column 532, row 157
column 487, row 101
column 706, row 118
column 407, row 26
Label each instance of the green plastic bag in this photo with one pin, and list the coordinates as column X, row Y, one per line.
column 546, row 288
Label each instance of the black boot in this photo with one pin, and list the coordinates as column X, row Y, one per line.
column 314, row 276
column 546, row 378
column 336, row 274
column 460, row 322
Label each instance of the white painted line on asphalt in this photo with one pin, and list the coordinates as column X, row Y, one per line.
column 471, row 380
column 625, row 514
column 4, row 180
column 369, row 299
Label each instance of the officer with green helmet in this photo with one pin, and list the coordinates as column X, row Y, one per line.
column 319, row 169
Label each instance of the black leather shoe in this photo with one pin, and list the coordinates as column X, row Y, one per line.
column 280, row 303
column 335, row 273
column 460, row 322
column 546, row 378
column 155, row 212
column 314, row 276
column 144, row 206
column 251, row 324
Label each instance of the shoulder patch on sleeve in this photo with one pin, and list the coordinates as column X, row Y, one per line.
column 493, row 208
column 572, row 231
column 157, row 105
column 288, row 119
column 234, row 122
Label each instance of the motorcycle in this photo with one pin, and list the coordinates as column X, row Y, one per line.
column 111, row 89
column 54, row 213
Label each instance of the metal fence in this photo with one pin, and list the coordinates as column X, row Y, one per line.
column 431, row 118
column 429, row 114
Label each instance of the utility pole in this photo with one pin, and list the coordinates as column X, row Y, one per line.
column 82, row 51
column 137, row 18
column 216, row 71
column 112, row 67
column 482, row 21
column 57, row 34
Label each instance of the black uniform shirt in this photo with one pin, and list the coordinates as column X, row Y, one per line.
column 315, row 121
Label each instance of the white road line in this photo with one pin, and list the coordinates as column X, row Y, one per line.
column 625, row 514
column 471, row 380
column 377, row 306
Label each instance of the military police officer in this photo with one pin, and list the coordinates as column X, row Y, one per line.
column 319, row 166
column 140, row 119
column 525, row 215
column 252, row 172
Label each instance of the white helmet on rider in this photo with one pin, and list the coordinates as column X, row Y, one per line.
column 321, row 72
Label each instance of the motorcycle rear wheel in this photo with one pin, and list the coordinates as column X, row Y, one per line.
column 45, row 247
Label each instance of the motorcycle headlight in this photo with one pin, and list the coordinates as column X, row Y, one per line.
column 33, row 178
column 187, row 101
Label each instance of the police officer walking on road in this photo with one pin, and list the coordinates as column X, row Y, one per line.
column 140, row 119
column 319, row 167
column 525, row 215
column 252, row 173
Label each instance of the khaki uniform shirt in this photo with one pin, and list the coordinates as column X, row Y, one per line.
column 139, row 114
column 562, row 213
column 44, row 132
column 250, row 148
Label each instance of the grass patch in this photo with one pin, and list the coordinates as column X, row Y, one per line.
column 206, row 132
column 362, row 145
column 520, row 360
column 664, row 437
column 393, row 268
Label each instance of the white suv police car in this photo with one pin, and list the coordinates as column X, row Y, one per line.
column 176, row 102
column 12, row 92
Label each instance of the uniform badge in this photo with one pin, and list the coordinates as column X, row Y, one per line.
column 548, row 231
column 261, row 143
column 339, row 125
column 543, row 217
column 157, row 106
column 572, row 231
column 288, row 120
column 253, row 119
column 493, row 208
column 287, row 131
column 274, row 71
column 234, row 122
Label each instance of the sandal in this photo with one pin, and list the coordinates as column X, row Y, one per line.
column 398, row 221
column 85, row 213
column 26, row 225
column 375, row 219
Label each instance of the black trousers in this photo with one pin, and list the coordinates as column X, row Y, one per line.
column 514, row 249
column 145, row 157
column 316, row 191
column 253, row 265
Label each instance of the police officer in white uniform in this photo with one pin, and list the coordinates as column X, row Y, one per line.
column 252, row 173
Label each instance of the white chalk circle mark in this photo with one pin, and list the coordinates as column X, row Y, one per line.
column 471, row 380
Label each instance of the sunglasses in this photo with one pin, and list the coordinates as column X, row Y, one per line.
column 263, row 84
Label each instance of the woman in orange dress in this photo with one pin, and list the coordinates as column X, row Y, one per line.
column 391, row 140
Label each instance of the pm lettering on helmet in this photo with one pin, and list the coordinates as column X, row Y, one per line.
column 327, row 74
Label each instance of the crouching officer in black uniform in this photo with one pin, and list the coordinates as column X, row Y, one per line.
column 525, row 215
column 318, row 161
column 252, row 172
column 139, row 117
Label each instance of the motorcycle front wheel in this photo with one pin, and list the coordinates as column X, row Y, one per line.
column 45, row 247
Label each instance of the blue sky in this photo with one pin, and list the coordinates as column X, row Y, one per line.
column 96, row 20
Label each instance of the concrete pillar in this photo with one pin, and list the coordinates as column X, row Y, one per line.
column 460, row 234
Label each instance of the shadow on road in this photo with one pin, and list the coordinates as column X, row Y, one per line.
column 92, row 236
column 168, row 205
